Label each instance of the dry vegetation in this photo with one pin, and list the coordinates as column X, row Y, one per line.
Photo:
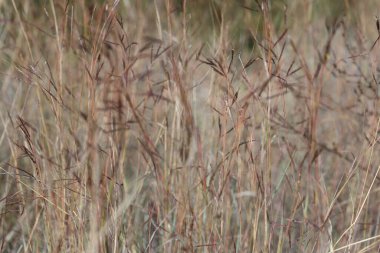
column 196, row 126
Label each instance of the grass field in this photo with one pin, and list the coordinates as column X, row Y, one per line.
column 189, row 126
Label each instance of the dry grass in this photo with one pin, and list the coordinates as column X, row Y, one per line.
column 196, row 126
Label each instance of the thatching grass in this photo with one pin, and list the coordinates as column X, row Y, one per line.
column 197, row 126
